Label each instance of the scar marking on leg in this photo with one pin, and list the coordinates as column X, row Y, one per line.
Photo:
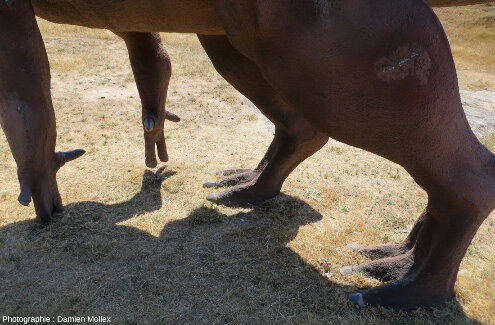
column 406, row 61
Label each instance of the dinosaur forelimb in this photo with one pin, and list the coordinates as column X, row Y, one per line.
column 152, row 70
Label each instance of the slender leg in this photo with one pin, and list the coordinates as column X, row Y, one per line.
column 295, row 139
column 391, row 90
column 26, row 111
column 152, row 70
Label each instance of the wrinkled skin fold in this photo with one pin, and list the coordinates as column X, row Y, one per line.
column 390, row 89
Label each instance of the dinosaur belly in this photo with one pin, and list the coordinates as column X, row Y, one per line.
column 180, row 16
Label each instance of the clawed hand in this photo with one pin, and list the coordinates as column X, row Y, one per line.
column 154, row 136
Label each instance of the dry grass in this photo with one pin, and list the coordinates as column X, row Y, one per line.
column 145, row 247
column 471, row 31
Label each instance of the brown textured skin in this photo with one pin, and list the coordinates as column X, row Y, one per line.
column 178, row 16
column 152, row 71
column 295, row 139
column 376, row 75
column 398, row 98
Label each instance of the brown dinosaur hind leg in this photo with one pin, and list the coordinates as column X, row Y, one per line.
column 294, row 141
column 426, row 274
column 391, row 90
column 26, row 111
column 152, row 70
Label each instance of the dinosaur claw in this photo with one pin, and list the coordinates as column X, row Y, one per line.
column 64, row 157
column 73, row 154
column 209, row 184
column 149, row 124
column 346, row 270
column 357, row 299
column 162, row 150
column 353, row 247
column 151, row 163
column 25, row 196
column 213, row 197
column 172, row 117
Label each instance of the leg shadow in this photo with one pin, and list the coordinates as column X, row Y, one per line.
column 206, row 268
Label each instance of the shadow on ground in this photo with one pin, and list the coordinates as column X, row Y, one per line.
column 207, row 268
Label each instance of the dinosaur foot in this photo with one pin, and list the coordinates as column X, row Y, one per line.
column 385, row 269
column 411, row 292
column 47, row 203
column 41, row 186
column 154, row 137
column 44, row 192
column 414, row 283
column 245, row 194
column 233, row 177
column 380, row 251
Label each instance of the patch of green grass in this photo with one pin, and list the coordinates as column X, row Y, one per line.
column 395, row 174
column 489, row 142
column 337, row 150
column 480, row 84
column 313, row 194
column 205, row 215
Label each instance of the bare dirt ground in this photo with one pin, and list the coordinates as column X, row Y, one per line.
column 144, row 246
column 479, row 107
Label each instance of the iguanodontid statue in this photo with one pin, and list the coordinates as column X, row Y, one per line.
column 378, row 75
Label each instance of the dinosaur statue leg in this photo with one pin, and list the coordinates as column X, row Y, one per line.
column 392, row 90
column 152, row 70
column 294, row 141
column 26, row 111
